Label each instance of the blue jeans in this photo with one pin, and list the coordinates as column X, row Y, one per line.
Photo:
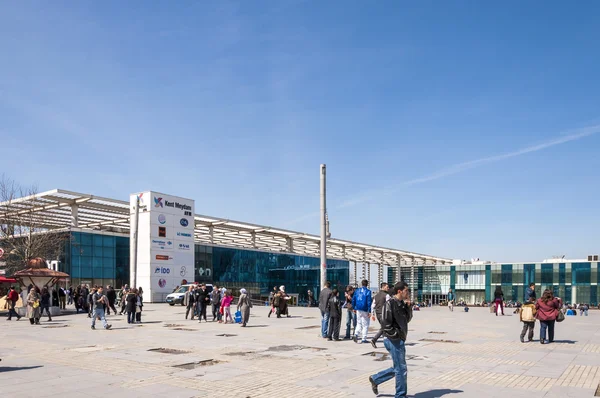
column 131, row 317
column 99, row 312
column 547, row 325
column 350, row 322
column 324, row 323
column 397, row 350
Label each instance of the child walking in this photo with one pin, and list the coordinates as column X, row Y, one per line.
column 527, row 316
column 226, row 306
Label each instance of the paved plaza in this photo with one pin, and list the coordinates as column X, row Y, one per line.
column 457, row 354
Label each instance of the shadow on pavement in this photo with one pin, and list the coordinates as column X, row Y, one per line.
column 435, row 393
column 565, row 341
column 12, row 369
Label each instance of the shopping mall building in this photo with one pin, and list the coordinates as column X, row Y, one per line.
column 174, row 244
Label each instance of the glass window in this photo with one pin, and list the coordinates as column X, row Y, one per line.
column 108, row 241
column 547, row 274
column 86, row 239
column 97, row 240
column 97, row 251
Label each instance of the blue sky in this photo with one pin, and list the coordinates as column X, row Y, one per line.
column 461, row 129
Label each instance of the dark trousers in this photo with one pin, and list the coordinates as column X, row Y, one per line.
column 47, row 308
column 11, row 311
column 380, row 332
column 530, row 326
column 334, row 328
column 131, row 317
column 111, row 306
column 138, row 316
column 547, row 325
column 215, row 312
column 201, row 311
column 189, row 308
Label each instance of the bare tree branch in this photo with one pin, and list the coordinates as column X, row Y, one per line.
column 23, row 233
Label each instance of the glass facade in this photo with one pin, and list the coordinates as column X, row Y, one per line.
column 259, row 272
column 97, row 259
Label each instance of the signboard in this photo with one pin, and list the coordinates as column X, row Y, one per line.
column 165, row 244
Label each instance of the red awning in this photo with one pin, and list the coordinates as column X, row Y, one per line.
column 7, row 280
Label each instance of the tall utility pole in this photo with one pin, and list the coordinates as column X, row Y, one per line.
column 135, row 241
column 323, row 228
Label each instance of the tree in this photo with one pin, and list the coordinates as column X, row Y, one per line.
column 25, row 232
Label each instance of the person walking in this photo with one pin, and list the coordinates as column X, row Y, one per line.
column 90, row 303
column 324, row 298
column 310, row 300
column 45, row 303
column 272, row 301
column 139, row 305
column 226, row 306
column 111, row 295
column 202, row 300
column 361, row 302
column 499, row 300
column 334, row 309
column 33, row 305
column 547, row 311
column 12, row 297
column 189, row 302
column 215, row 301
column 62, row 298
column 530, row 293
column 131, row 304
column 527, row 316
column 396, row 315
column 123, row 299
column 283, row 302
column 350, row 314
column 451, row 299
column 99, row 303
column 244, row 306
column 377, row 308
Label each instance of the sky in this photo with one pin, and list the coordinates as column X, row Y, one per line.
column 458, row 129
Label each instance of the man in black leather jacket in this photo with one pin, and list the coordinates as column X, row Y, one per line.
column 397, row 313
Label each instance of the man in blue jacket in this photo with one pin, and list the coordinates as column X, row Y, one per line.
column 361, row 303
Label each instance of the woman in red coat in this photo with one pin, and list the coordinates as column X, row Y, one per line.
column 547, row 310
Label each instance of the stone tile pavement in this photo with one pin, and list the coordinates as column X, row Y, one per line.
column 454, row 354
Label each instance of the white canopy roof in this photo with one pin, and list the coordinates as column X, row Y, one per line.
column 65, row 210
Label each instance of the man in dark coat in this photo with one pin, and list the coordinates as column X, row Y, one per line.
column 323, row 301
column 202, row 300
column 378, row 302
column 334, row 309
column 111, row 295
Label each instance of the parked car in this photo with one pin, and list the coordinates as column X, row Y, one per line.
column 178, row 295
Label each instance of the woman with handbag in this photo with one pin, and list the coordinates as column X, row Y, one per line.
column 33, row 306
column 548, row 311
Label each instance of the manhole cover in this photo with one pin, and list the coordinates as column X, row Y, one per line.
column 185, row 329
column 226, row 335
column 286, row 348
column 309, row 327
column 55, row 326
column 168, row 351
column 440, row 341
column 172, row 325
column 379, row 356
column 240, row 354
column 437, row 332
column 199, row 364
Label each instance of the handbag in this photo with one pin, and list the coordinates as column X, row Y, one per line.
column 560, row 317
column 36, row 304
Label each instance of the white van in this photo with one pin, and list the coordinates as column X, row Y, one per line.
column 177, row 296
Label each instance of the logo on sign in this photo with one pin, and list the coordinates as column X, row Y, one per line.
column 184, row 222
column 182, row 271
column 162, row 270
column 162, row 283
column 184, row 246
column 163, row 257
column 162, row 232
column 158, row 202
column 187, row 235
column 162, row 219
